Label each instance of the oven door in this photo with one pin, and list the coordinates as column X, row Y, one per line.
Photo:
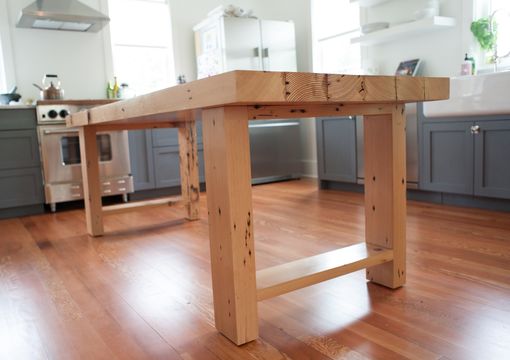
column 60, row 153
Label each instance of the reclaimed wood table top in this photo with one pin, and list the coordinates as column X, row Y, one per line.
column 259, row 88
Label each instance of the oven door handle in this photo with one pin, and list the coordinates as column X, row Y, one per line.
column 67, row 131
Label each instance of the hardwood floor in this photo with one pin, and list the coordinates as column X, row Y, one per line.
column 144, row 290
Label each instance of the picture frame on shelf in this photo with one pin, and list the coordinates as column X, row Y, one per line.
column 408, row 67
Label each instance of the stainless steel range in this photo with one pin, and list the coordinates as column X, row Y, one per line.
column 60, row 154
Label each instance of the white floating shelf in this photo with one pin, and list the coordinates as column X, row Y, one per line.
column 405, row 30
column 370, row 3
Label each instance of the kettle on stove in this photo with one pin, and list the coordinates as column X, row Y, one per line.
column 51, row 91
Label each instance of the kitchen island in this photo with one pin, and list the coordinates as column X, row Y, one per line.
column 227, row 102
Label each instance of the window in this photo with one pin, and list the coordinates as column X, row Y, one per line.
column 3, row 82
column 142, row 44
column 501, row 11
column 334, row 24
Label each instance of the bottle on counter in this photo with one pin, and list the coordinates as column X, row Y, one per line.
column 125, row 91
column 467, row 66
column 116, row 88
column 473, row 64
column 109, row 90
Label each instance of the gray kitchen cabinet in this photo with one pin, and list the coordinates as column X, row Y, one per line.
column 166, row 160
column 21, row 184
column 18, row 149
column 336, row 148
column 154, row 156
column 167, row 171
column 447, row 157
column 21, row 187
column 492, row 162
column 466, row 157
column 142, row 162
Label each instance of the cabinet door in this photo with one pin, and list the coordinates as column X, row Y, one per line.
column 21, row 187
column 141, row 158
column 18, row 149
column 242, row 44
column 166, row 161
column 278, row 45
column 336, row 149
column 492, row 163
column 447, row 157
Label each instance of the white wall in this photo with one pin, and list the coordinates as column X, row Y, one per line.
column 442, row 51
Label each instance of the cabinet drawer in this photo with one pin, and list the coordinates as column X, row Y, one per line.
column 20, row 187
column 165, row 137
column 18, row 149
column 170, row 137
column 17, row 119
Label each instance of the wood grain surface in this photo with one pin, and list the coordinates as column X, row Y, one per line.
column 265, row 88
column 145, row 293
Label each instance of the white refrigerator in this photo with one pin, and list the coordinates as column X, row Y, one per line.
column 227, row 43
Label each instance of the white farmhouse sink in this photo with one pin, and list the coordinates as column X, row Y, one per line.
column 487, row 94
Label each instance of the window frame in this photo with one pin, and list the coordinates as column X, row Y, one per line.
column 7, row 71
column 109, row 45
column 317, row 40
column 483, row 8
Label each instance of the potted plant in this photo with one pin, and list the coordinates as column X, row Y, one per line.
column 485, row 32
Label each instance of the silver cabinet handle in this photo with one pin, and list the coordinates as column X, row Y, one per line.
column 475, row 129
column 256, row 52
column 265, row 52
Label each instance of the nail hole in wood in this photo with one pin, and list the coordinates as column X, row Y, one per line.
column 373, row 207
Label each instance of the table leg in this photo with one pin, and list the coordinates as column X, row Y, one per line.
column 188, row 160
column 385, row 193
column 229, row 202
column 91, row 182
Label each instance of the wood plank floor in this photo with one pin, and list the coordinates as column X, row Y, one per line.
column 144, row 290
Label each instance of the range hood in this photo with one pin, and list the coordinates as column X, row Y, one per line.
column 67, row 15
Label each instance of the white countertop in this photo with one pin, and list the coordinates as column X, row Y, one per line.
column 16, row 107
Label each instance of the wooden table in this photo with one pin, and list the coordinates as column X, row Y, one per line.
column 226, row 103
